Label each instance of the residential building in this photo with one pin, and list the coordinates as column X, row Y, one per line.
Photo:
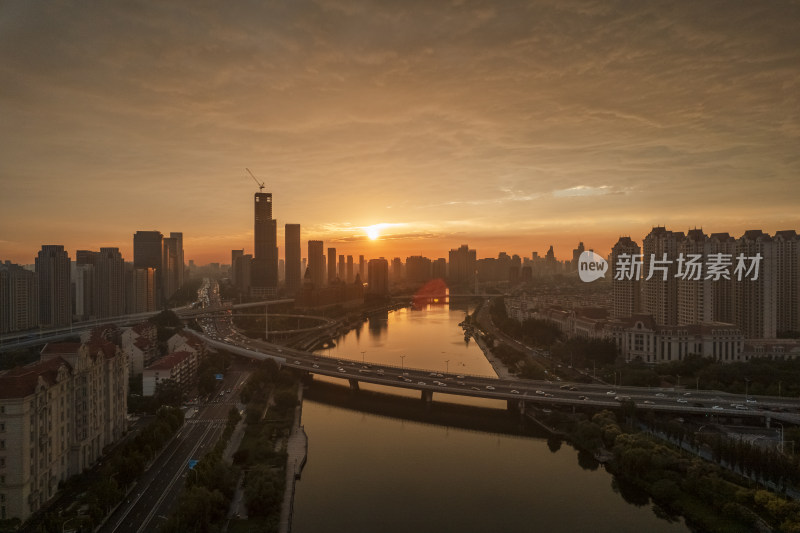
column 55, row 290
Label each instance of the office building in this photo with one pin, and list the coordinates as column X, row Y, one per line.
column 180, row 265
column 264, row 275
column 349, row 275
column 169, row 267
column 316, row 263
column 55, row 290
column 331, row 265
column 109, row 283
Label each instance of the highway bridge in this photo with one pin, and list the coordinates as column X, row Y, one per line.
column 518, row 392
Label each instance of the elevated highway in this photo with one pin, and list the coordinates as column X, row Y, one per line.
column 518, row 392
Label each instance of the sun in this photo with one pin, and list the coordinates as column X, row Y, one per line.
column 373, row 232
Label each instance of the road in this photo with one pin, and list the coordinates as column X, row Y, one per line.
column 156, row 493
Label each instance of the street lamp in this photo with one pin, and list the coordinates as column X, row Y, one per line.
column 746, row 384
column 362, row 357
column 447, row 366
column 402, row 357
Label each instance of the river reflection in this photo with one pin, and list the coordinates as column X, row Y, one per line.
column 377, row 464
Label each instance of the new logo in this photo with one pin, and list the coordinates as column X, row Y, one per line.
column 591, row 266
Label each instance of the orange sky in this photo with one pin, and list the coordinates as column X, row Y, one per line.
column 507, row 126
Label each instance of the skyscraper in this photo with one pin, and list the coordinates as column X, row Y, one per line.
column 169, row 267
column 340, row 270
column 350, row 277
column 362, row 268
column 787, row 257
column 292, row 251
column 235, row 254
column 462, row 265
column 378, row 276
column 181, row 266
column 331, row 265
column 265, row 256
column 55, row 301
column 147, row 250
column 316, row 260
column 109, row 283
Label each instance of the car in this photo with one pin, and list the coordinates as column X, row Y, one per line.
column 442, row 384
column 460, row 383
column 342, row 371
column 583, row 397
column 432, row 374
column 565, row 387
column 298, row 362
column 611, row 393
column 475, row 388
column 741, row 407
column 681, row 400
column 622, row 398
column 573, row 388
column 751, row 400
column 379, row 371
column 548, row 395
column 489, row 387
column 315, row 365
column 648, row 402
column 540, row 392
column 439, row 376
column 514, row 391
column 717, row 408
column 408, row 380
column 420, row 383
column 661, row 395
column 460, row 376
column 364, row 371
column 401, row 378
column 687, row 393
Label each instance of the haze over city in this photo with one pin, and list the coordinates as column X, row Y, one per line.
column 507, row 127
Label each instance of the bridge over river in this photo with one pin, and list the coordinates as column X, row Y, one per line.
column 521, row 393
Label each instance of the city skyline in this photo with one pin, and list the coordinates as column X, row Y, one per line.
column 506, row 128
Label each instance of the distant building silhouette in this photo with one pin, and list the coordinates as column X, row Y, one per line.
column 316, row 263
column 378, row 271
column 293, row 253
column 331, row 265
column 265, row 257
column 55, row 294
column 462, row 265
column 109, row 283
column 19, row 298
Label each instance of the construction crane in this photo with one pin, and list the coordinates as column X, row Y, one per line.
column 260, row 185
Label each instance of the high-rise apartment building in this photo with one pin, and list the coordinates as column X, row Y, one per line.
column 109, row 283
column 418, row 269
column 19, row 298
column 141, row 289
column 55, row 290
column 695, row 297
column 362, row 268
column 316, row 263
column 439, row 268
column 755, row 300
column 462, row 265
column 787, row 282
column 659, row 285
column 626, row 284
column 722, row 246
column 378, row 271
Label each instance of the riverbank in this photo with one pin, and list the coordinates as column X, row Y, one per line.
column 499, row 368
column 296, row 455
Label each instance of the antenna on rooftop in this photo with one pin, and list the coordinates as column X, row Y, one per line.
column 260, row 185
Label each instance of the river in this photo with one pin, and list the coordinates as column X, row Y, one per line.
column 377, row 464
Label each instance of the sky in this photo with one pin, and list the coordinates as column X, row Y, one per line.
column 509, row 126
